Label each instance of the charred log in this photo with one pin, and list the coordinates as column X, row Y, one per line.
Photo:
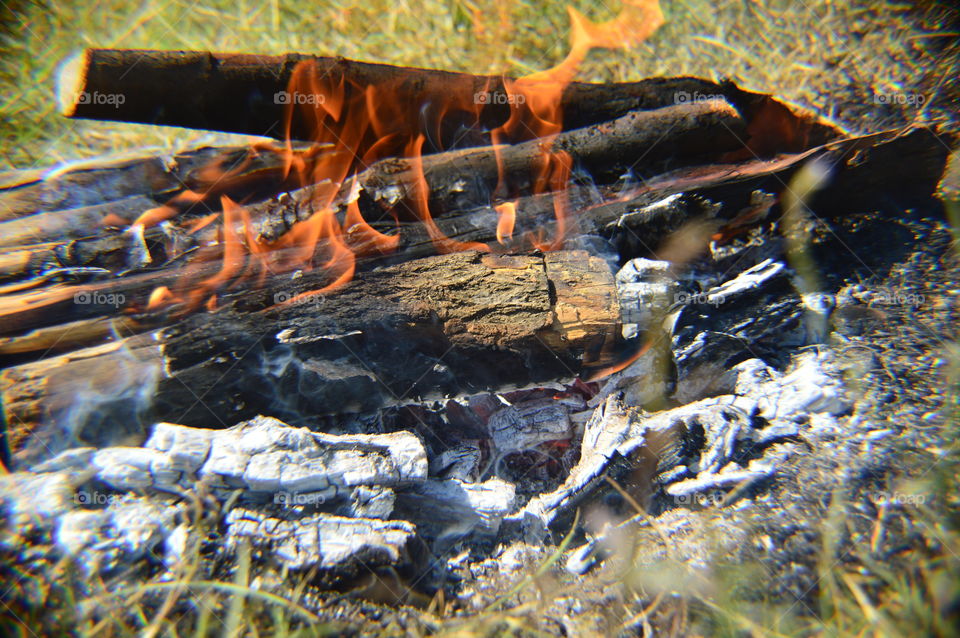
column 441, row 326
column 240, row 172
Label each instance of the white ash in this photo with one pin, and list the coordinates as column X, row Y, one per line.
column 175, row 547
column 31, row 501
column 126, row 531
column 322, row 540
column 261, row 455
column 763, row 406
column 646, row 289
column 812, row 384
column 730, row 475
column 459, row 462
column 746, row 281
column 525, row 425
column 371, row 502
column 613, row 430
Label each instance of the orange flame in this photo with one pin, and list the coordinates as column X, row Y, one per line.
column 506, row 218
column 352, row 126
column 361, row 235
column 160, row 297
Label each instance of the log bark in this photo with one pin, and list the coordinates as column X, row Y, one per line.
column 64, row 225
column 642, row 142
column 236, row 92
column 434, row 327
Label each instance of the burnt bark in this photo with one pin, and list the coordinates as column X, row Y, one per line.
column 640, row 142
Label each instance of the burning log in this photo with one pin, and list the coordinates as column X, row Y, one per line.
column 459, row 180
column 445, row 325
column 63, row 225
column 879, row 170
column 256, row 95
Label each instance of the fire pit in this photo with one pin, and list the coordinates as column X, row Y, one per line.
column 444, row 328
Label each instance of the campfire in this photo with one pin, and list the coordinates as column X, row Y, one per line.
column 439, row 313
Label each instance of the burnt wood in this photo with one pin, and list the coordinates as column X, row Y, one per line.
column 429, row 328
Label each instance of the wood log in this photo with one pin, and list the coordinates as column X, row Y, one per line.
column 64, row 225
column 457, row 180
column 445, row 325
column 885, row 170
column 255, row 172
column 640, row 142
column 237, row 93
column 108, row 254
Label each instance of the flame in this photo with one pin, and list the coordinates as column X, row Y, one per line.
column 352, row 126
column 160, row 297
column 361, row 234
column 506, row 218
column 536, row 98
column 233, row 256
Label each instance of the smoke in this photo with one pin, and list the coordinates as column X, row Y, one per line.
column 101, row 401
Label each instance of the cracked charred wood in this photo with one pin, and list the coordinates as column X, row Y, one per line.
column 96, row 257
column 322, row 540
column 198, row 89
column 434, row 327
column 681, row 134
